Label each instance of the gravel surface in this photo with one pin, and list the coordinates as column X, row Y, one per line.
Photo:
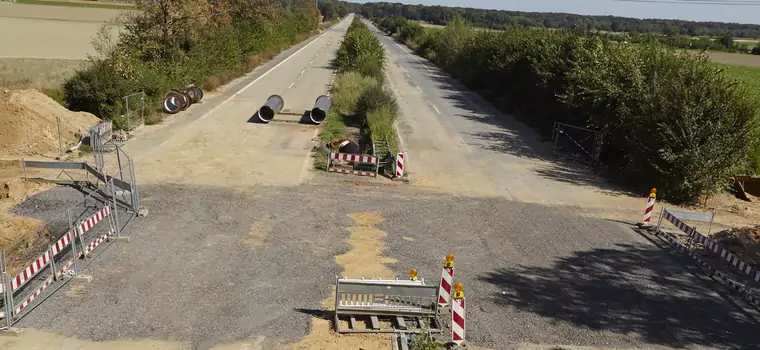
column 196, row 272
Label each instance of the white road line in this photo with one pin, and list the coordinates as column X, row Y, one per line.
column 303, row 71
column 311, row 62
column 419, row 88
column 436, row 109
column 228, row 99
column 408, row 76
column 291, row 84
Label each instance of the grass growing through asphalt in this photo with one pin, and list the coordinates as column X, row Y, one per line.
column 92, row 4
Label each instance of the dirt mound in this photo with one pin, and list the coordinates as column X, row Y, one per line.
column 744, row 242
column 28, row 124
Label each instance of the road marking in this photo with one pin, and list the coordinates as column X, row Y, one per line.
column 419, row 88
column 291, row 84
column 228, row 99
column 311, row 62
column 303, row 71
column 408, row 76
column 436, row 109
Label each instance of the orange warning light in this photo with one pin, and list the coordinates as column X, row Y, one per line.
column 413, row 274
column 450, row 258
column 458, row 287
column 653, row 190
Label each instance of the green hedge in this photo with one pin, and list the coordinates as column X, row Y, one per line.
column 671, row 119
column 207, row 44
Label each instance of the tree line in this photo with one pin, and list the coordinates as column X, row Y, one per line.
column 669, row 119
column 167, row 44
column 498, row 19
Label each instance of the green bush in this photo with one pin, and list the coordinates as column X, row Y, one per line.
column 206, row 43
column 361, row 52
column 670, row 119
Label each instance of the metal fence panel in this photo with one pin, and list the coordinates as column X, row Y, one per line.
column 577, row 143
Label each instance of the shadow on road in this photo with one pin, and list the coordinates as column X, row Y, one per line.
column 601, row 289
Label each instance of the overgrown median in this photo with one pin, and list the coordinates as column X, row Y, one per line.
column 668, row 119
column 363, row 109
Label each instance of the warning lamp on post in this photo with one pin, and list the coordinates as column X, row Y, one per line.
column 449, row 263
column 412, row 275
column 458, row 291
column 653, row 193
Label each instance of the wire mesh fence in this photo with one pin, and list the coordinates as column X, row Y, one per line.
column 577, row 143
column 134, row 111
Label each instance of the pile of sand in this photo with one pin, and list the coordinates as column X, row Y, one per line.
column 744, row 242
column 28, row 124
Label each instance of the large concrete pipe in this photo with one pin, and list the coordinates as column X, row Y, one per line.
column 321, row 107
column 271, row 108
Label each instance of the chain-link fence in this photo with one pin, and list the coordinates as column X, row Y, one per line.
column 134, row 111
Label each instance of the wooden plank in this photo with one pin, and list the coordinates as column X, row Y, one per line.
column 375, row 322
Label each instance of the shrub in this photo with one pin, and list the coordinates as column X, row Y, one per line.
column 670, row 119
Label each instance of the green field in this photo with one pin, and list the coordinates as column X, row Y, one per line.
column 91, row 4
column 750, row 76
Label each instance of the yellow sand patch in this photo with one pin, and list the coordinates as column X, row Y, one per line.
column 257, row 236
column 362, row 261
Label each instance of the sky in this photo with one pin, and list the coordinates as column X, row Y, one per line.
column 667, row 9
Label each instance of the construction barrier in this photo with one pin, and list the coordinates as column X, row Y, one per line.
column 458, row 315
column 676, row 218
column 400, row 157
column 358, row 160
column 447, row 278
column 650, row 206
column 404, row 304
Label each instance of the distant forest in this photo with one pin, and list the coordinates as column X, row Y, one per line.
column 497, row 19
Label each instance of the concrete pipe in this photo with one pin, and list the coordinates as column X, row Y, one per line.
column 173, row 103
column 271, row 108
column 321, row 107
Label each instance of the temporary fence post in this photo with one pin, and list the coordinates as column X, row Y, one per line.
column 115, row 209
column 659, row 221
column 709, row 228
column 60, row 136
column 135, row 191
column 52, row 262
column 118, row 161
column 73, row 231
column 23, row 164
column 126, row 103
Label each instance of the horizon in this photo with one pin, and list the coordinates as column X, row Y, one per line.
column 728, row 11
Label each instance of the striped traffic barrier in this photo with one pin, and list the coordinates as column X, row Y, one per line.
column 447, row 277
column 400, row 164
column 458, row 315
column 650, row 206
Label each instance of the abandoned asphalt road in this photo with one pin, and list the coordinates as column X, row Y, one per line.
column 211, row 266
column 224, row 257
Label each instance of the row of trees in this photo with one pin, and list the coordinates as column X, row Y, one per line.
column 167, row 43
column 670, row 119
column 498, row 19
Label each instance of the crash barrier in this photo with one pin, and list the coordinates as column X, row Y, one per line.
column 650, row 206
column 394, row 301
column 175, row 101
column 87, row 225
column 695, row 237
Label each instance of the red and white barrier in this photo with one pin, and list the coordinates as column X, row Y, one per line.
column 357, row 158
column 29, row 272
column 400, row 164
column 94, row 219
column 33, row 296
column 458, row 315
column 650, row 206
column 447, row 280
column 685, row 228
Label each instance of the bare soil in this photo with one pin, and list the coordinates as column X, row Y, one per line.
column 28, row 124
column 736, row 59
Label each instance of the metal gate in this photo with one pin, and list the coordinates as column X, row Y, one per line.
column 577, row 143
